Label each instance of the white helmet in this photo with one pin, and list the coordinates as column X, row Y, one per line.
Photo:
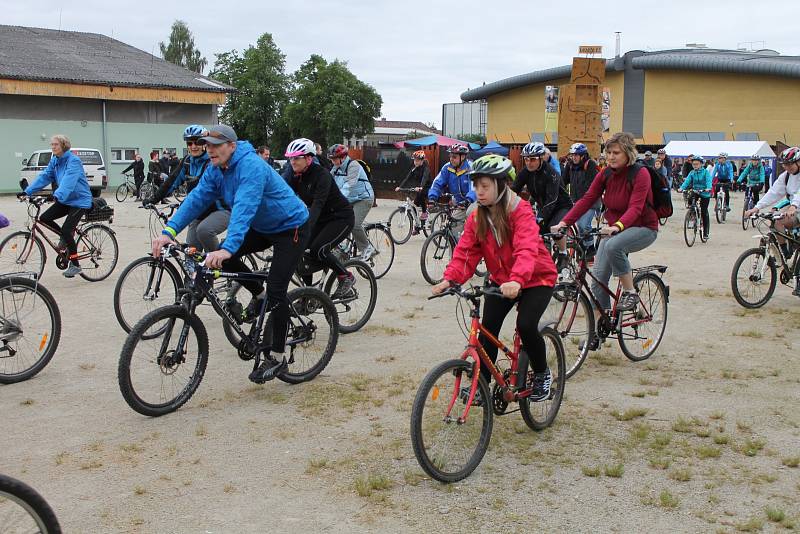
column 301, row 147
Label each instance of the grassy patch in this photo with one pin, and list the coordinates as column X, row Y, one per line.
column 384, row 330
column 754, row 334
column 751, row 446
column 614, row 470
column 754, row 524
column 661, row 440
column 668, row 500
column 721, row 439
column 365, row 486
column 791, row 461
column 660, row 462
column 682, row 474
column 776, row 515
column 201, row 431
column 708, row 451
column 629, row 414
column 591, row 471
column 682, row 425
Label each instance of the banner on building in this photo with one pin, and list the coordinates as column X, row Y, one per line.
column 605, row 116
column 551, row 108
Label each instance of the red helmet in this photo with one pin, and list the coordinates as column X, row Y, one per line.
column 419, row 154
column 337, row 151
column 790, row 155
column 458, row 148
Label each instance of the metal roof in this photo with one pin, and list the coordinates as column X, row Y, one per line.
column 89, row 58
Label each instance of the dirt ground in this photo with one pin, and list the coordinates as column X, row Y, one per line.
column 702, row 437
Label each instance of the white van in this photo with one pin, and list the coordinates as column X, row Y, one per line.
column 93, row 166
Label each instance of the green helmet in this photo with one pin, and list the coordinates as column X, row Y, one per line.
column 494, row 166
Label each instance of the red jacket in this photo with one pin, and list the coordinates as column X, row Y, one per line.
column 523, row 259
column 630, row 206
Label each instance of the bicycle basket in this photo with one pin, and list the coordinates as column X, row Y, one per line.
column 100, row 211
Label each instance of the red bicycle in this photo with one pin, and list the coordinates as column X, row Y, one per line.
column 452, row 414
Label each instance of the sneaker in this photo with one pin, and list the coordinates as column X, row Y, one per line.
column 706, row 237
column 72, row 270
column 541, row 386
column 267, row 370
column 369, row 253
column 252, row 311
column 346, row 283
column 563, row 268
column 628, row 301
column 594, row 343
column 464, row 395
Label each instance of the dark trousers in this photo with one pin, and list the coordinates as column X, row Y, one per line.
column 421, row 199
column 138, row 179
column 532, row 304
column 755, row 190
column 73, row 217
column 327, row 235
column 726, row 187
column 704, row 202
column 287, row 249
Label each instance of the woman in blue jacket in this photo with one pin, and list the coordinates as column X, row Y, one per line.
column 699, row 180
column 71, row 192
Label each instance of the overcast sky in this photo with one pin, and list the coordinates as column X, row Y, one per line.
column 419, row 55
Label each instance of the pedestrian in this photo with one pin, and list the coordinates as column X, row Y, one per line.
column 138, row 172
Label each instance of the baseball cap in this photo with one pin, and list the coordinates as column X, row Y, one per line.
column 220, row 133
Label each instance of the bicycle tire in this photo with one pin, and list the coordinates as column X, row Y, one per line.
column 48, row 335
column 127, row 319
column 718, row 211
column 343, row 306
column 581, row 341
column 771, row 269
column 646, row 285
column 34, row 261
column 31, row 503
column 172, row 314
column 439, row 243
column 382, row 241
column 401, row 224
column 180, row 193
column 122, row 192
column 429, row 389
column 437, row 222
column 690, row 228
column 552, row 405
column 92, row 235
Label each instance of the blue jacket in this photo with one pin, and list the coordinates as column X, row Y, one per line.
column 352, row 180
column 454, row 181
column 70, row 186
column 555, row 164
column 259, row 198
column 723, row 173
column 698, row 180
column 196, row 168
column 754, row 175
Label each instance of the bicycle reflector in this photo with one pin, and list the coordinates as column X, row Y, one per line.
column 43, row 344
column 435, row 393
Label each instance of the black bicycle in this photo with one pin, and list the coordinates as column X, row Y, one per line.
column 693, row 222
column 381, row 253
column 747, row 205
column 165, row 355
column 438, row 248
column 22, row 509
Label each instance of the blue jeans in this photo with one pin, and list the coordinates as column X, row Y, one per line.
column 585, row 224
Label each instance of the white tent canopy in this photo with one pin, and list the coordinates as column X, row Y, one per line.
column 711, row 149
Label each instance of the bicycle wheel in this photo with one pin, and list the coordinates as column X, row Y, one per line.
column 690, row 227
column 753, row 278
column 30, row 328
column 436, row 253
column 312, row 334
column 144, row 285
column 180, row 193
column 156, row 374
column 19, row 253
column 577, row 315
column 641, row 330
column 746, row 205
column 100, row 244
column 446, row 448
column 383, row 244
column 122, row 192
column 718, row 210
column 401, row 223
column 437, row 222
column 22, row 509
column 356, row 309
column 540, row 415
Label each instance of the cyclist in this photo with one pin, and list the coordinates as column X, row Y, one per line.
column 547, row 192
column 785, row 195
column 601, row 162
column 453, row 178
column 700, row 181
column 203, row 231
column 71, row 194
column 578, row 174
column 722, row 176
column 420, row 174
column 137, row 165
column 503, row 232
column 352, row 179
column 330, row 216
column 755, row 174
column 632, row 222
column 264, row 212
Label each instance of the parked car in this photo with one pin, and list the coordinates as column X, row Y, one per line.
column 93, row 166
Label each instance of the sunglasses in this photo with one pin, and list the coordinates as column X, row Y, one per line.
column 531, row 158
column 198, row 142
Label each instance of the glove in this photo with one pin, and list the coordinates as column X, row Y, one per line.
column 22, row 194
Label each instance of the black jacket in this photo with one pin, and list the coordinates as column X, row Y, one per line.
column 174, row 164
column 325, row 162
column 579, row 177
column 687, row 168
column 546, row 190
column 154, row 170
column 419, row 176
column 318, row 190
column 164, row 162
column 138, row 169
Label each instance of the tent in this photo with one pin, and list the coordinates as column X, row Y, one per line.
column 711, row 149
column 434, row 140
column 491, row 148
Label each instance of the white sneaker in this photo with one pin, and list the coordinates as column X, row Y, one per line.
column 369, row 253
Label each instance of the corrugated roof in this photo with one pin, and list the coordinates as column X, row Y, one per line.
column 62, row 56
column 411, row 125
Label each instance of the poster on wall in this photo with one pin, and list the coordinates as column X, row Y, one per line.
column 605, row 116
column 551, row 108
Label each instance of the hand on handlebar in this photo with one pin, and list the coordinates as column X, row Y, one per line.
column 511, row 289
column 751, row 212
column 559, row 228
column 214, row 259
column 440, row 288
column 159, row 243
column 22, row 195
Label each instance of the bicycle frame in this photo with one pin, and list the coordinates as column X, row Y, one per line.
column 37, row 228
column 771, row 246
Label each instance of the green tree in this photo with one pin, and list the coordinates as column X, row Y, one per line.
column 262, row 89
column 181, row 50
column 329, row 104
column 472, row 138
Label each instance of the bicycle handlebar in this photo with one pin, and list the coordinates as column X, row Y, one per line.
column 471, row 293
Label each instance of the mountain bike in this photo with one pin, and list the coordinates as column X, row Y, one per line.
column 383, row 248
column 437, row 251
column 164, row 356
column 755, row 271
column 405, row 221
column 747, row 205
column 639, row 332
column 128, row 187
column 693, row 222
column 30, row 328
column 720, row 209
column 22, row 509
column 452, row 414
column 98, row 251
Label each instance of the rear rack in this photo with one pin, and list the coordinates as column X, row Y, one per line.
column 650, row 268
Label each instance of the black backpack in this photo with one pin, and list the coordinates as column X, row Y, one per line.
column 662, row 199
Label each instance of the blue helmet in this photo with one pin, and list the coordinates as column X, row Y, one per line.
column 578, row 148
column 534, row 150
column 195, row 131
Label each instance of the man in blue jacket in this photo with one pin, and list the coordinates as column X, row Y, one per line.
column 453, row 178
column 265, row 213
column 723, row 173
column 72, row 196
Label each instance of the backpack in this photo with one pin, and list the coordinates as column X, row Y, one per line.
column 662, row 199
column 366, row 168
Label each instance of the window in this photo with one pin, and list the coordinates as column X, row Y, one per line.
column 123, row 155
column 44, row 158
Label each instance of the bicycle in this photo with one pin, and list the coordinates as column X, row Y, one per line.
column 23, row 509
column 405, row 221
column 383, row 247
column 754, row 285
column 30, row 327
column 150, row 350
column 693, row 222
column 128, row 187
column 437, row 251
column 438, row 422
column 97, row 244
column 720, row 209
column 747, row 205
column 639, row 332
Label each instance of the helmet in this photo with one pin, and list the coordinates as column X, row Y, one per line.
column 492, row 165
column 195, row 131
column 458, row 148
column 755, row 157
column 648, row 153
column 419, row 154
column 723, row 155
column 696, row 158
column 300, row 147
column 337, row 151
column 661, row 151
column 578, row 148
column 533, row 150
column 791, row 155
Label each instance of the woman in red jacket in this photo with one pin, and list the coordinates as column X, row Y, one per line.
column 631, row 222
column 503, row 231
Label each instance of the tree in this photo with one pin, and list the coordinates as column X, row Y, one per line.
column 472, row 138
column 181, row 50
column 329, row 104
column 262, row 89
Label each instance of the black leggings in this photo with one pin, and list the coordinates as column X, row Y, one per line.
column 56, row 211
column 704, row 202
column 327, row 235
column 532, row 304
column 755, row 190
column 421, row 199
column 726, row 187
column 287, row 249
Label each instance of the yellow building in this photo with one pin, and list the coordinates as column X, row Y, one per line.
column 684, row 94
